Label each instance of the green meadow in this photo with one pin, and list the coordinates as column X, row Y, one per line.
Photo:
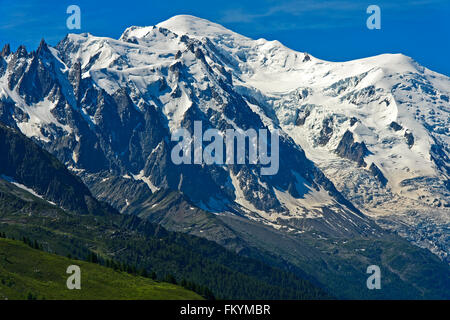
column 27, row 273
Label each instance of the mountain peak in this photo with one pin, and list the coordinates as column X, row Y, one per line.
column 186, row 24
column 183, row 24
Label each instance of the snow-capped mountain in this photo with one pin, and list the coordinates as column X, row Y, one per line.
column 376, row 128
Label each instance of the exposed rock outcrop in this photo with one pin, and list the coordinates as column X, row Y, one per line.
column 378, row 174
column 352, row 150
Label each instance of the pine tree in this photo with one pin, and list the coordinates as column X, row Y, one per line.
column 144, row 273
column 170, row 279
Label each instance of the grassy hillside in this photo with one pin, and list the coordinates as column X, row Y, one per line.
column 27, row 273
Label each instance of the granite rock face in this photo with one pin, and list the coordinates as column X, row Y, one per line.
column 355, row 151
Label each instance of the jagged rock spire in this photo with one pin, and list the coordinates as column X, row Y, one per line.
column 21, row 51
column 6, row 50
column 42, row 47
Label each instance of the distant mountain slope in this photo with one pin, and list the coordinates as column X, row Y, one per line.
column 29, row 273
column 134, row 241
column 175, row 212
column 24, row 162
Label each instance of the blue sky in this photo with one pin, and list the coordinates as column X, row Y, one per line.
column 333, row 30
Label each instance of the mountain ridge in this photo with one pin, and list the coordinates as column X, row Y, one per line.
column 106, row 109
